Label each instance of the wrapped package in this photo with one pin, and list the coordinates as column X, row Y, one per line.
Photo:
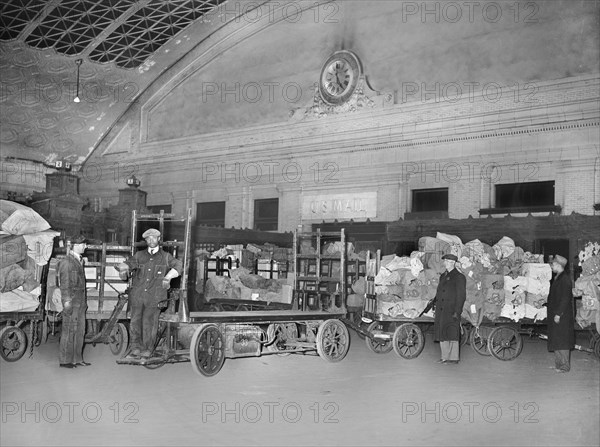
column 40, row 245
column 18, row 300
column 539, row 271
column 513, row 311
column 456, row 245
column 504, row 247
column 11, row 277
column 20, row 219
column 13, row 249
column 433, row 245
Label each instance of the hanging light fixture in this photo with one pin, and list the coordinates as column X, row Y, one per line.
column 78, row 62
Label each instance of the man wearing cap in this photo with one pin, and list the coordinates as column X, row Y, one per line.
column 450, row 299
column 71, row 281
column 152, row 270
column 561, row 330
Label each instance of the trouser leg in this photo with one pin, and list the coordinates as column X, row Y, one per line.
column 135, row 324
column 445, row 348
column 65, row 352
column 561, row 359
column 78, row 331
column 453, row 350
column 150, row 326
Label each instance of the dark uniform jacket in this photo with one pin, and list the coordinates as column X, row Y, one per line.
column 561, row 336
column 71, row 279
column 450, row 299
column 148, row 273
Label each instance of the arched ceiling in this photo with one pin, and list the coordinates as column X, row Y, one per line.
column 123, row 46
column 130, row 49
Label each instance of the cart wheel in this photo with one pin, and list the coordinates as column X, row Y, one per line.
column 13, row 343
column 207, row 350
column 45, row 328
column 282, row 333
column 333, row 340
column 505, row 343
column 378, row 347
column 597, row 349
column 408, row 341
column 478, row 339
column 118, row 339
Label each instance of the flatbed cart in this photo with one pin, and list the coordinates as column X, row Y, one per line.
column 106, row 315
column 206, row 339
column 14, row 340
column 502, row 338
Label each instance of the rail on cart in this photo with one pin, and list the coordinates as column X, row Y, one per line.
column 314, row 325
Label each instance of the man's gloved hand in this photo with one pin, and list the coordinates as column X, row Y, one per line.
column 166, row 283
column 67, row 308
column 557, row 319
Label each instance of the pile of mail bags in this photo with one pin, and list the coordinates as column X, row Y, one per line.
column 25, row 247
column 587, row 286
column 501, row 280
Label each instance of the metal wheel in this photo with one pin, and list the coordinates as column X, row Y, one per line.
column 381, row 346
column 505, row 343
column 13, row 343
column 333, row 340
column 282, row 333
column 118, row 339
column 408, row 341
column 597, row 349
column 207, row 350
column 478, row 339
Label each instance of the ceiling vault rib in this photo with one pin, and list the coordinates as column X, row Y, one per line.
column 113, row 26
column 38, row 20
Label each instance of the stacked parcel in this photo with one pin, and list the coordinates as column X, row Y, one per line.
column 25, row 247
column 587, row 286
column 501, row 280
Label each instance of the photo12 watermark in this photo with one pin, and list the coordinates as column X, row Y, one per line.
column 70, row 412
column 469, row 412
column 274, row 11
column 466, row 171
column 270, row 412
column 469, row 12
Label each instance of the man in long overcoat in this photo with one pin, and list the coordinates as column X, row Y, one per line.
column 71, row 280
column 152, row 270
column 450, row 299
column 561, row 331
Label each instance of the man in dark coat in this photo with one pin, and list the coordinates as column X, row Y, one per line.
column 561, row 331
column 71, row 281
column 152, row 270
column 450, row 299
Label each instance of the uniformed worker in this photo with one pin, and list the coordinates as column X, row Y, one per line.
column 152, row 270
column 450, row 299
column 71, row 281
column 561, row 326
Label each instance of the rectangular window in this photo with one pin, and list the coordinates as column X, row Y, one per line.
column 211, row 214
column 434, row 199
column 266, row 214
column 525, row 195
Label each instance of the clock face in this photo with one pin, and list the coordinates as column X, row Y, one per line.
column 339, row 77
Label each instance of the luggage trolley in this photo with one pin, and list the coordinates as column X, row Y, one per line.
column 206, row 339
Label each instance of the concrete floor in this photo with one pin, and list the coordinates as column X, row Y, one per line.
column 367, row 399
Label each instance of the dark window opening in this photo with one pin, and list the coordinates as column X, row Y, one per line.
column 266, row 214
column 523, row 195
column 211, row 214
column 435, row 199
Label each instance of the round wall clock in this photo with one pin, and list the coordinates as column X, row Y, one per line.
column 339, row 77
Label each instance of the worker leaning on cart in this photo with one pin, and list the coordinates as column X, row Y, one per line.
column 71, row 281
column 152, row 270
column 450, row 299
